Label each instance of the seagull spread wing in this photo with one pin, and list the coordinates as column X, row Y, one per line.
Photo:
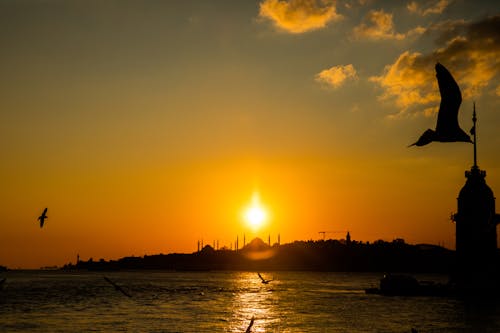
column 451, row 98
column 117, row 287
column 249, row 328
column 42, row 217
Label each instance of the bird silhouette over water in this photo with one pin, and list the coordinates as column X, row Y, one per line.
column 43, row 217
column 249, row 328
column 447, row 128
column 117, row 287
column 264, row 280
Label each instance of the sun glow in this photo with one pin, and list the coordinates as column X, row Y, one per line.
column 255, row 215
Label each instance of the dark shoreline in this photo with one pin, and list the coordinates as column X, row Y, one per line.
column 329, row 255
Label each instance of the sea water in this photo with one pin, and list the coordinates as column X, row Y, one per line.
column 58, row 301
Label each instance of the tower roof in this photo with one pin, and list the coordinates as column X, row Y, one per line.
column 475, row 186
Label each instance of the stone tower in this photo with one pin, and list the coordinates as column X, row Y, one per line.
column 476, row 236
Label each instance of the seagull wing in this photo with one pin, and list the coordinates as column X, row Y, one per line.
column 451, row 98
column 260, row 276
column 110, row 282
column 42, row 217
column 124, row 292
column 249, row 328
column 117, row 287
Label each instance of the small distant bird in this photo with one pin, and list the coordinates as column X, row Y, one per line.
column 117, row 287
column 43, row 217
column 249, row 328
column 447, row 128
column 264, row 280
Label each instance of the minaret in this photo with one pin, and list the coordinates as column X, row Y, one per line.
column 476, row 236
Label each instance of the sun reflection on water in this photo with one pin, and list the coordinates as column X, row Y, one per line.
column 255, row 299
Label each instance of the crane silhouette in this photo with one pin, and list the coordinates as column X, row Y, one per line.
column 447, row 128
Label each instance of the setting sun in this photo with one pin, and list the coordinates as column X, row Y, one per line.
column 255, row 215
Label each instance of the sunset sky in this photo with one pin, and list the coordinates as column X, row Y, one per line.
column 145, row 126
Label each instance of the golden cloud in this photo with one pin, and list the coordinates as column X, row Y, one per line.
column 378, row 25
column 410, row 80
column 435, row 7
column 472, row 55
column 335, row 76
column 299, row 16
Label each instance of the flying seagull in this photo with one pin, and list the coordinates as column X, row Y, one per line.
column 263, row 280
column 43, row 217
column 117, row 287
column 447, row 128
column 249, row 328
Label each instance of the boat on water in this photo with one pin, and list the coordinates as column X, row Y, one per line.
column 407, row 285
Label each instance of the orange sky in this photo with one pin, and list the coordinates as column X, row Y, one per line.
column 145, row 127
